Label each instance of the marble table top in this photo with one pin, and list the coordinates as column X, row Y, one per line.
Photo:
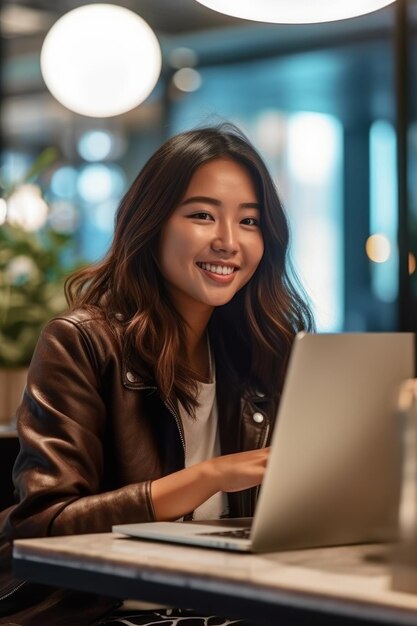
column 355, row 577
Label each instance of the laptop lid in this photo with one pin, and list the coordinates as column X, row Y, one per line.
column 334, row 470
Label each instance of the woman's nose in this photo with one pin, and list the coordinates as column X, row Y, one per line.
column 225, row 239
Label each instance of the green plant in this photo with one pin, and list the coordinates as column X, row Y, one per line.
column 33, row 268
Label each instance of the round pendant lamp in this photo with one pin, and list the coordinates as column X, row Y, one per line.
column 100, row 60
column 295, row 11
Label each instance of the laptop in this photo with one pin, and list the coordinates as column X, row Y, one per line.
column 334, row 471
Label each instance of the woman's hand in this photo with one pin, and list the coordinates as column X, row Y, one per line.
column 177, row 494
column 234, row 472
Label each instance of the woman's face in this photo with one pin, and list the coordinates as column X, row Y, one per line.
column 212, row 243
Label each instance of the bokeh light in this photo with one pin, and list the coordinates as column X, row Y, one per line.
column 63, row 217
column 411, row 263
column 64, row 182
column 312, row 148
column 20, row 270
column 95, row 145
column 187, row 79
column 26, row 208
column 103, row 216
column 14, row 167
column 270, row 132
column 378, row 248
column 98, row 183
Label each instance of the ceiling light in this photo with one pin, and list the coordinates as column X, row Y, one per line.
column 100, row 60
column 295, row 11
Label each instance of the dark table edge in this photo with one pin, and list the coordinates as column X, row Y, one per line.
column 269, row 608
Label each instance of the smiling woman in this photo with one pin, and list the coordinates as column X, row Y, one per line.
column 154, row 397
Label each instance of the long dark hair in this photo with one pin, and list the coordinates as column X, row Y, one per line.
column 253, row 333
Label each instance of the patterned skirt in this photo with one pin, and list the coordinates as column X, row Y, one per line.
column 167, row 617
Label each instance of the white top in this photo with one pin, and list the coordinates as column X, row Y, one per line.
column 202, row 442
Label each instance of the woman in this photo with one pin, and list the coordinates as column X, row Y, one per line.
column 140, row 401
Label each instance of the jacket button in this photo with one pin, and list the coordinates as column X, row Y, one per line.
column 258, row 418
column 130, row 377
column 259, row 393
column 119, row 316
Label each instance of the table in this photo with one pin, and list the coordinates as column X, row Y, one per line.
column 342, row 585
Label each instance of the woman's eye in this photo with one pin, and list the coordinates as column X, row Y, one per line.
column 250, row 221
column 202, row 215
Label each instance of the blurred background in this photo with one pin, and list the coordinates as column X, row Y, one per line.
column 317, row 100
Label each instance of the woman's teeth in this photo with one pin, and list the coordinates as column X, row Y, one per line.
column 223, row 270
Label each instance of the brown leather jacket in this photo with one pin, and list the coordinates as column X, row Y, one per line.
column 94, row 432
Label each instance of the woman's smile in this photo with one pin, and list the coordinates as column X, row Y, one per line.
column 222, row 273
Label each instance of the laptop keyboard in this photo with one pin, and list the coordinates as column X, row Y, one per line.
column 242, row 533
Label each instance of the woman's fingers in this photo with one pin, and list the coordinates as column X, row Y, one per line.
column 242, row 470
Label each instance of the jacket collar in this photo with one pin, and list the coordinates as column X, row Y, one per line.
column 134, row 375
